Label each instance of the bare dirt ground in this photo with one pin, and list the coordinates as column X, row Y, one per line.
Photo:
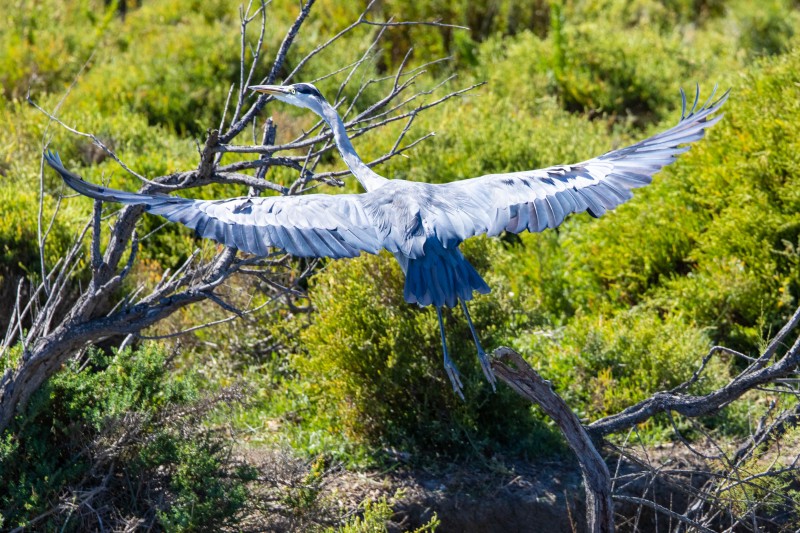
column 497, row 496
column 538, row 496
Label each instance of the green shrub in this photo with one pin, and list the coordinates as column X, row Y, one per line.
column 371, row 367
column 45, row 44
column 768, row 30
column 602, row 365
column 129, row 430
column 19, row 249
column 376, row 514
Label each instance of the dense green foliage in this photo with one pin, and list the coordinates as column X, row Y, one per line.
column 609, row 309
column 129, row 429
column 365, row 372
column 376, row 514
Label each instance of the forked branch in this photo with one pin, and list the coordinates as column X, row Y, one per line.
column 512, row 369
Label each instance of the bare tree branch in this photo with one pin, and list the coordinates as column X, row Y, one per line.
column 239, row 125
column 694, row 406
column 710, row 505
column 664, row 510
column 518, row 374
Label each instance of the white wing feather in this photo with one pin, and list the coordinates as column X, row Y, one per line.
column 539, row 199
column 314, row 225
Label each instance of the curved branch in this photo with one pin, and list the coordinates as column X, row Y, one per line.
column 510, row 367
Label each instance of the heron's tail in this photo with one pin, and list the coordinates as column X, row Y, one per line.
column 441, row 277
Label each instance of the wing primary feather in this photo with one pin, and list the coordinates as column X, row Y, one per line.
column 533, row 217
column 683, row 104
column 595, row 208
column 284, row 240
column 322, row 243
column 711, row 97
column 577, row 200
column 250, row 244
column 696, row 98
column 210, row 230
column 552, row 222
column 201, row 225
column 607, row 198
column 564, row 198
column 274, row 238
column 634, row 177
column 239, row 238
column 176, row 213
column 190, row 221
column 228, row 238
column 523, row 217
column 304, row 247
column 542, row 215
column 312, row 239
column 615, row 195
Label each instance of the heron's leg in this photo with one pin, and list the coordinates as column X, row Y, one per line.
column 449, row 367
column 487, row 368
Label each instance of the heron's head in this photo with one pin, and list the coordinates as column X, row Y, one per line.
column 299, row 94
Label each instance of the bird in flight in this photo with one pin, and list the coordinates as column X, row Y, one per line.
column 421, row 224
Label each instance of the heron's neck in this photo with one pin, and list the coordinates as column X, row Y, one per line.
column 365, row 175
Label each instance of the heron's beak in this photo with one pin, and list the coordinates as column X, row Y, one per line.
column 269, row 89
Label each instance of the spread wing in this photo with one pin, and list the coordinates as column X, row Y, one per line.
column 315, row 225
column 540, row 199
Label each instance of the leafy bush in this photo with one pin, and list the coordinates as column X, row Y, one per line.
column 128, row 434
column 44, row 45
column 769, row 29
column 19, row 249
column 603, row 364
column 371, row 367
column 376, row 514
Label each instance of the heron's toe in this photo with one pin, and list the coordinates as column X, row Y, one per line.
column 455, row 379
column 487, row 369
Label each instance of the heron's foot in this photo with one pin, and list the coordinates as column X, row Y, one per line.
column 487, row 368
column 455, row 378
column 485, row 365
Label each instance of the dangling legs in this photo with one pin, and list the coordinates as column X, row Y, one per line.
column 487, row 368
column 449, row 367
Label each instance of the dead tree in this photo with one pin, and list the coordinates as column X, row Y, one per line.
column 52, row 324
column 710, row 507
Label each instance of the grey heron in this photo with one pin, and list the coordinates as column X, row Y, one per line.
column 421, row 224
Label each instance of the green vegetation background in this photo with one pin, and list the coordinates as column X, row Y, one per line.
column 609, row 309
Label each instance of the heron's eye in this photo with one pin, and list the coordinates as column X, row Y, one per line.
column 292, row 90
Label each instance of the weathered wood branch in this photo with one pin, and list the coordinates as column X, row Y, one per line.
column 515, row 372
column 280, row 58
column 694, row 406
column 512, row 369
